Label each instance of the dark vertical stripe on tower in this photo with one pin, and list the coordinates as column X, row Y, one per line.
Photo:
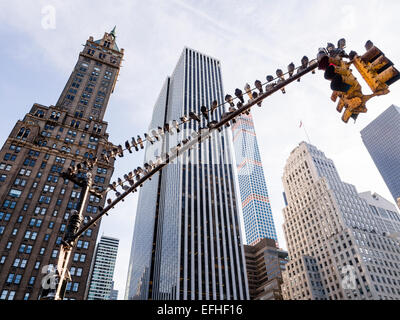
column 156, row 222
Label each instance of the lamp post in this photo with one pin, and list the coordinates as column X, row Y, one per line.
column 59, row 279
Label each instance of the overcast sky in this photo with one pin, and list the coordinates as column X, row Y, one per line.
column 251, row 39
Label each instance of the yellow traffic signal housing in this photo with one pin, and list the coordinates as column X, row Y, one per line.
column 352, row 100
column 377, row 70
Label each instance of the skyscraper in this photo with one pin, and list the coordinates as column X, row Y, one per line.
column 337, row 248
column 264, row 264
column 35, row 203
column 187, row 240
column 101, row 282
column 257, row 214
column 385, row 212
column 381, row 137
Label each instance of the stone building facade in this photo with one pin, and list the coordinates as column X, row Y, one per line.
column 338, row 250
column 35, row 202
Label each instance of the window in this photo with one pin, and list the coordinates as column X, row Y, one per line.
column 32, row 281
column 54, row 254
column 16, row 262
column 4, row 295
column 10, row 278
column 6, row 203
column 37, row 265
column 6, row 167
column 10, row 157
column 26, row 296
column 75, row 287
column 14, row 193
column 23, row 263
column 29, row 162
column 17, row 279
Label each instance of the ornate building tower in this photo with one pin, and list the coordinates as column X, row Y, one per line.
column 35, row 202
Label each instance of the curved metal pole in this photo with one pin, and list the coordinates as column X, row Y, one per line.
column 72, row 237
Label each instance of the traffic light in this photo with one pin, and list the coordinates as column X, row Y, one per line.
column 344, row 85
column 376, row 69
column 339, row 73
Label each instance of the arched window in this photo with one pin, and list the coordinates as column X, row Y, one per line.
column 26, row 134
column 20, row 133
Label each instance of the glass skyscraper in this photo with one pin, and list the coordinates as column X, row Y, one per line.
column 102, row 273
column 187, row 240
column 382, row 139
column 257, row 215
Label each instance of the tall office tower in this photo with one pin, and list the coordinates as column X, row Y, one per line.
column 257, row 215
column 337, row 249
column 264, row 265
column 101, row 282
column 381, row 137
column 35, row 203
column 187, row 239
column 385, row 212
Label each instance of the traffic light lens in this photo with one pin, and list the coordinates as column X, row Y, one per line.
column 323, row 62
column 330, row 72
column 338, row 84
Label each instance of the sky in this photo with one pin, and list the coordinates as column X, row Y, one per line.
column 251, row 39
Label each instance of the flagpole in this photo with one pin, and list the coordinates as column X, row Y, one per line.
column 305, row 131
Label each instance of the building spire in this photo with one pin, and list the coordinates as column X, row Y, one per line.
column 113, row 32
